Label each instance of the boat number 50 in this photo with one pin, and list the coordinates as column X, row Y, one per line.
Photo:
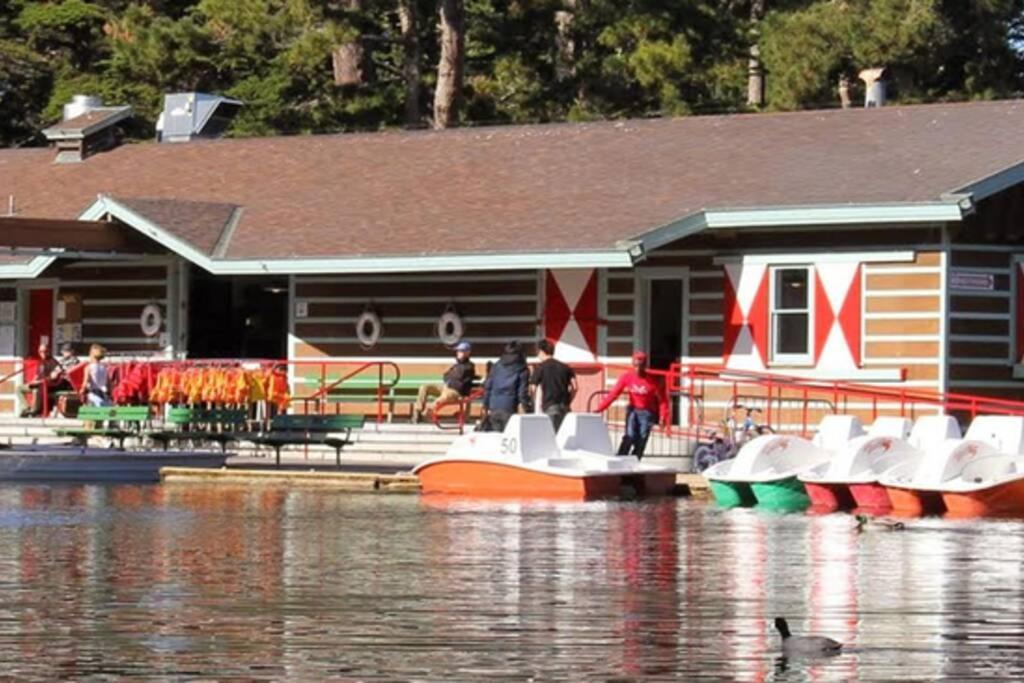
column 509, row 446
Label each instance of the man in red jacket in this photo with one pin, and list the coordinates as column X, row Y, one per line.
column 647, row 405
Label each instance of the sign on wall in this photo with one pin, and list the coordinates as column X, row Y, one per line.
column 971, row 281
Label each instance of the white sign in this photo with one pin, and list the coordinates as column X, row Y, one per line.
column 301, row 309
column 968, row 280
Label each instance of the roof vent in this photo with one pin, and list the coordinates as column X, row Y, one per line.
column 88, row 128
column 187, row 116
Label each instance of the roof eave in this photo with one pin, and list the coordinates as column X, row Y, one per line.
column 618, row 257
column 26, row 271
column 800, row 216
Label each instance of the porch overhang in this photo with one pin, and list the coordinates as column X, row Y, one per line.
column 40, row 235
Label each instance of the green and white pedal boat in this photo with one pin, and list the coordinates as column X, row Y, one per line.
column 765, row 471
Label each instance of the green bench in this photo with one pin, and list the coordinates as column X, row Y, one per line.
column 219, row 425
column 302, row 430
column 360, row 390
column 127, row 420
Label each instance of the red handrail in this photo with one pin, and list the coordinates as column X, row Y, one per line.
column 381, row 387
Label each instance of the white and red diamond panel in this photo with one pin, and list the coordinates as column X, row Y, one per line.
column 570, row 314
column 836, row 308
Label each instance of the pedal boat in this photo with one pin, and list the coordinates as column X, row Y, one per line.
column 766, row 470
column 850, row 479
column 528, row 460
column 978, row 476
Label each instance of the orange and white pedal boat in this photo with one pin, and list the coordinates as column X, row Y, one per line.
column 979, row 475
column 527, row 460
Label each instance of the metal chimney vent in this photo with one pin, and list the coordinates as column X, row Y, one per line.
column 187, row 116
column 874, row 83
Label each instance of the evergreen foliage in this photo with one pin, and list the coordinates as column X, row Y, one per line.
column 525, row 60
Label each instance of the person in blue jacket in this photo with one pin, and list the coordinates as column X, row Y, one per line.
column 507, row 388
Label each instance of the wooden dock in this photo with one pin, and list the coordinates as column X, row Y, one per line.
column 342, row 481
column 380, row 482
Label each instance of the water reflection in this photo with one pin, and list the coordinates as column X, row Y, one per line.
column 272, row 584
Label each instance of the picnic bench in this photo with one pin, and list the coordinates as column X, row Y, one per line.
column 218, row 425
column 125, row 421
column 300, row 430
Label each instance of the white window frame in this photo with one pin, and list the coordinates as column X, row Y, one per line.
column 805, row 359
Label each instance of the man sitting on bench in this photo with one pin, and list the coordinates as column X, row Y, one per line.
column 458, row 382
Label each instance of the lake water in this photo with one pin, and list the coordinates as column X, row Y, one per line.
column 220, row 583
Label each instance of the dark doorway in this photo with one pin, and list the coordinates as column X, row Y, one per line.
column 665, row 322
column 237, row 317
column 665, row 327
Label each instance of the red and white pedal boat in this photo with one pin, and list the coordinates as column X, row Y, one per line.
column 527, row 460
column 850, row 479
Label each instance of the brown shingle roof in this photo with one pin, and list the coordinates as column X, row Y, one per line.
column 202, row 224
column 86, row 123
column 532, row 188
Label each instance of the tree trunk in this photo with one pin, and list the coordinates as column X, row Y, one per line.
column 348, row 58
column 755, row 70
column 411, row 60
column 450, row 65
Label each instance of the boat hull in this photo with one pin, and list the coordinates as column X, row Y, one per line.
column 786, row 495
column 914, row 502
column 997, row 501
column 732, row 494
column 871, row 497
column 499, row 480
column 829, row 497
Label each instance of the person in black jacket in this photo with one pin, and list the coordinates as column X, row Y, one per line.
column 458, row 382
column 507, row 388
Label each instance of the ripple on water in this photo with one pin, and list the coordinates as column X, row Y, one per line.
column 269, row 584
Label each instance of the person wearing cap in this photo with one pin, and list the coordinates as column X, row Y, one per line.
column 457, row 382
column 647, row 405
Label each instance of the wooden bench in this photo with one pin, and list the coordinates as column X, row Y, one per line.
column 130, row 419
column 219, row 425
column 301, row 430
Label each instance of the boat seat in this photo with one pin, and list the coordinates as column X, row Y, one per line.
column 892, row 427
column 1005, row 433
column 835, row 431
column 931, row 430
column 584, row 432
column 528, row 438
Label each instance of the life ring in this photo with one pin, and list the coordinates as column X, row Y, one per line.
column 450, row 328
column 368, row 329
column 151, row 320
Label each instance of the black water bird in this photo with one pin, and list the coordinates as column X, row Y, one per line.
column 864, row 523
column 805, row 645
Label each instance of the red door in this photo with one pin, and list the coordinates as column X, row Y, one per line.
column 40, row 320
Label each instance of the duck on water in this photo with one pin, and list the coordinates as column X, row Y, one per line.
column 805, row 646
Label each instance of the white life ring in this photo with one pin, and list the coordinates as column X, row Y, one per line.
column 368, row 329
column 151, row 320
column 450, row 328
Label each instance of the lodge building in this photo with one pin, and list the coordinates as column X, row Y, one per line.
column 881, row 246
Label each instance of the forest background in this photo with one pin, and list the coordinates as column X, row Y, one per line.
column 303, row 66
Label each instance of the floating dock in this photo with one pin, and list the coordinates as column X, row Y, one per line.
column 380, row 482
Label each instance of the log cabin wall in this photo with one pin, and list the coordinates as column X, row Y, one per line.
column 986, row 299
column 495, row 307
column 8, row 358
column 112, row 295
column 876, row 316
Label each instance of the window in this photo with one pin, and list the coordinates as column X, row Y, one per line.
column 791, row 315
